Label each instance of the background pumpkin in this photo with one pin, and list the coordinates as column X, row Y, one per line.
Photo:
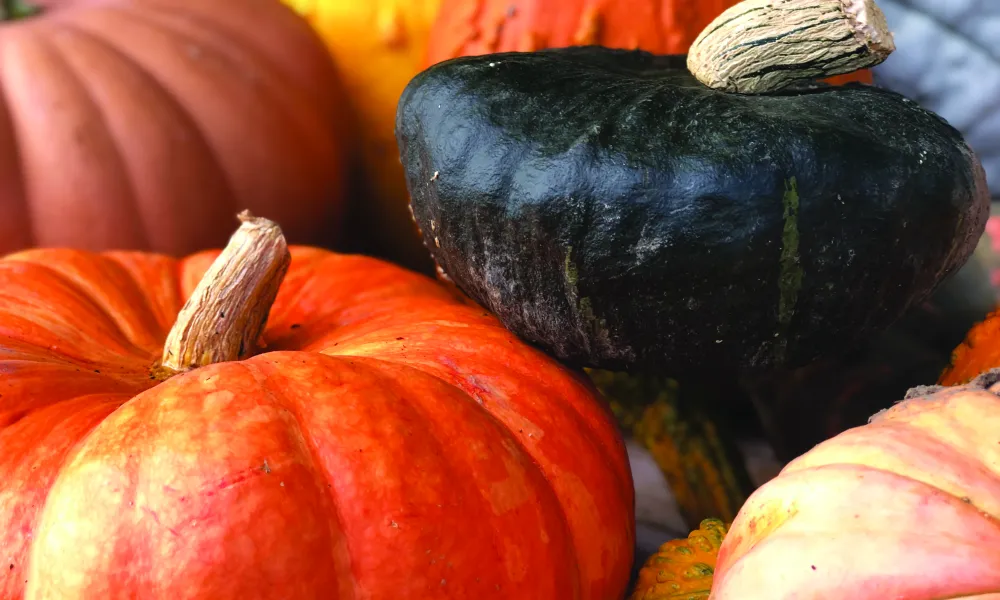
column 465, row 28
column 907, row 506
column 378, row 46
column 395, row 441
column 141, row 124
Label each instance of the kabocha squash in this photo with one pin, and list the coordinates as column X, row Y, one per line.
column 394, row 441
column 612, row 209
column 139, row 124
column 682, row 569
column 378, row 45
column 907, row 506
column 464, row 28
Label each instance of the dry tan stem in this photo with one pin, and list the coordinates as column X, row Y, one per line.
column 760, row 46
column 225, row 315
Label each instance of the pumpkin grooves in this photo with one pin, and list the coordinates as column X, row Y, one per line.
column 227, row 311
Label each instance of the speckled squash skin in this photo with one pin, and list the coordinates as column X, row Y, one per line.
column 616, row 212
column 394, row 441
column 682, row 569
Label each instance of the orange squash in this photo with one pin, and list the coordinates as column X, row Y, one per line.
column 978, row 353
column 139, row 124
column 393, row 441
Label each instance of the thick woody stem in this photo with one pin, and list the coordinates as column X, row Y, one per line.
column 226, row 314
column 760, row 46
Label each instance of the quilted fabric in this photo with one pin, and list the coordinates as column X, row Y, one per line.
column 948, row 59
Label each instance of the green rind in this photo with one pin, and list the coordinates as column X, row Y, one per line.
column 610, row 208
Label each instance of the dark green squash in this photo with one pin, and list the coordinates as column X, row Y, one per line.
column 615, row 211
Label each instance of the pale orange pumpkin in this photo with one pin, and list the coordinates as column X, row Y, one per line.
column 905, row 507
column 143, row 124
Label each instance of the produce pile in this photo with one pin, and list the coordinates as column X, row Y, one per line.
column 338, row 299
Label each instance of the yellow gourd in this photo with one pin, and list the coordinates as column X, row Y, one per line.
column 378, row 46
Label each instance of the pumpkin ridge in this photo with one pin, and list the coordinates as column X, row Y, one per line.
column 41, row 464
column 826, row 505
column 963, row 500
column 89, row 292
column 447, row 369
column 117, row 155
column 260, row 78
column 258, row 366
column 158, row 276
column 899, row 454
column 181, row 109
column 122, row 344
column 964, row 503
column 42, row 78
column 237, row 41
column 506, row 433
column 27, row 224
column 388, row 376
column 502, row 413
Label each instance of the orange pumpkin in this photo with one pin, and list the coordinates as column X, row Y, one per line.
column 467, row 28
column 140, row 124
column 907, row 506
column 682, row 569
column 379, row 45
column 394, row 441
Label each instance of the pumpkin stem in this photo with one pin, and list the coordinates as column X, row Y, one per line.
column 11, row 10
column 760, row 46
column 226, row 314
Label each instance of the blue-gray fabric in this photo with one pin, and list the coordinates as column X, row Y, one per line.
column 948, row 59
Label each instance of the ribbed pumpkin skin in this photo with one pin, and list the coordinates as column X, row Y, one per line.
column 145, row 124
column 473, row 27
column 485, row 26
column 395, row 442
column 907, row 506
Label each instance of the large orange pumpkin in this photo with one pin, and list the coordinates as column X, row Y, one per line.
column 379, row 45
column 907, row 506
column 141, row 124
column 467, row 28
column 393, row 442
